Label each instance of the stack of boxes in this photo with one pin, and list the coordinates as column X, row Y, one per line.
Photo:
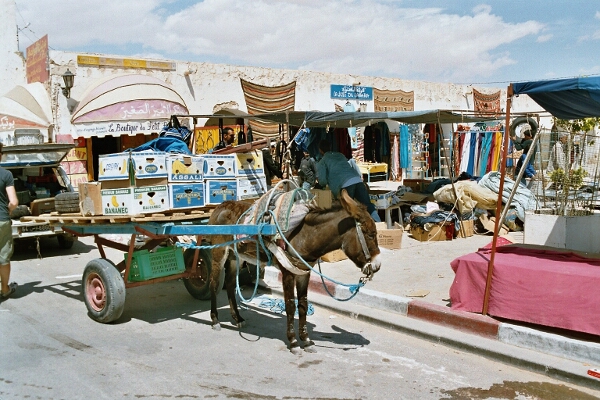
column 250, row 175
column 219, row 178
column 133, row 183
column 153, row 182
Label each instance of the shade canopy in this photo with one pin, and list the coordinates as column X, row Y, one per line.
column 25, row 106
column 128, row 97
column 572, row 98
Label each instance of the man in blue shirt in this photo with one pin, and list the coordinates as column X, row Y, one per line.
column 334, row 170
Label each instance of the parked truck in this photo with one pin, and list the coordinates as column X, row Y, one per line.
column 42, row 186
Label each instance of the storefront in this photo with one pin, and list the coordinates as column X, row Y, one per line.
column 120, row 112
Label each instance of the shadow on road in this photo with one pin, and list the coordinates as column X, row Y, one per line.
column 48, row 247
column 166, row 301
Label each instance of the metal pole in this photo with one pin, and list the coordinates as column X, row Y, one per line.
column 488, row 283
column 520, row 176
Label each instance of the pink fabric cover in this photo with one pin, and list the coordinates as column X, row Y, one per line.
column 552, row 288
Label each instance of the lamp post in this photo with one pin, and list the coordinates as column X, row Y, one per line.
column 69, row 78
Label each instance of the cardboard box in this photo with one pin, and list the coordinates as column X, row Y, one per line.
column 389, row 238
column 219, row 166
column 249, row 164
column 150, row 199
column 185, row 168
column 90, row 198
column 466, row 228
column 147, row 164
column 417, row 185
column 382, row 199
column 334, row 256
column 117, row 201
column 42, row 206
column 220, row 190
column 251, row 187
column 437, row 233
column 323, row 197
column 186, row 195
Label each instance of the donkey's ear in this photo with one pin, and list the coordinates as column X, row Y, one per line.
column 349, row 204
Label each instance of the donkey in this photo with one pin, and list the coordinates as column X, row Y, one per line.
column 347, row 226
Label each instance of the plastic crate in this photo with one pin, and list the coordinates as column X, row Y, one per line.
column 163, row 262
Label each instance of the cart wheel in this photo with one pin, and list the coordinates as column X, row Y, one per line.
column 103, row 290
column 199, row 287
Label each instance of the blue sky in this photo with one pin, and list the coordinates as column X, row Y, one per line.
column 488, row 43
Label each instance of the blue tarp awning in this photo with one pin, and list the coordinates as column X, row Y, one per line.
column 571, row 98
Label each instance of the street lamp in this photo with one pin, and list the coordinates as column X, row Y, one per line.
column 69, row 78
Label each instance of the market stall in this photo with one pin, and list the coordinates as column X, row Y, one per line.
column 549, row 289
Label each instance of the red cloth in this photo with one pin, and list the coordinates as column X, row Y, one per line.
column 551, row 288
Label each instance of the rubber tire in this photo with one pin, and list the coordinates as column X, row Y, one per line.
column 523, row 120
column 103, row 290
column 67, row 197
column 20, row 211
column 197, row 287
column 65, row 243
column 62, row 209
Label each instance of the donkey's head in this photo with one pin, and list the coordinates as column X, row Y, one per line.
column 359, row 242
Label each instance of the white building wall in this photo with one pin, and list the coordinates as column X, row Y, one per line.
column 208, row 87
column 12, row 64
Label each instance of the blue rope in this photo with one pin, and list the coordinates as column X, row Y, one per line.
column 278, row 306
column 353, row 288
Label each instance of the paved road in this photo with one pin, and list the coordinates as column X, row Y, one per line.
column 163, row 347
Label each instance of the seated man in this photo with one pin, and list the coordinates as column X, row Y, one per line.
column 227, row 139
column 334, row 170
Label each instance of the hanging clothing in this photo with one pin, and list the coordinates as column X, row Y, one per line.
column 485, row 152
column 405, row 159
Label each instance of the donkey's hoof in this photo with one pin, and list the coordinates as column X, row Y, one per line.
column 295, row 347
column 241, row 324
column 308, row 346
column 216, row 327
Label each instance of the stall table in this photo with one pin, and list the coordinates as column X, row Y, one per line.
column 533, row 284
column 368, row 169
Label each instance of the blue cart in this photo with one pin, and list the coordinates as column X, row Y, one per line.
column 104, row 282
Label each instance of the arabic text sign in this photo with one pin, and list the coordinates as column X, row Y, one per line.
column 351, row 92
column 37, row 61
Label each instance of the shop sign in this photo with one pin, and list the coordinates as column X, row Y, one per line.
column 124, row 63
column 36, row 66
column 351, row 92
column 118, row 128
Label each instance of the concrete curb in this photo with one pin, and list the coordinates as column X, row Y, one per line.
column 580, row 356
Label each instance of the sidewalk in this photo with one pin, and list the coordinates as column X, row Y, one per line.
column 410, row 294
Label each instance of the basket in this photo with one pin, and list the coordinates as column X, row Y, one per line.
column 163, row 262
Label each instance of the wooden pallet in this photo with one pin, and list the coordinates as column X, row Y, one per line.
column 78, row 219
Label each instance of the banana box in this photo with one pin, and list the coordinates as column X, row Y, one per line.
column 186, row 195
column 219, row 166
column 249, row 164
column 185, row 168
column 251, row 188
column 150, row 199
column 220, row 190
column 146, row 164
column 117, row 201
